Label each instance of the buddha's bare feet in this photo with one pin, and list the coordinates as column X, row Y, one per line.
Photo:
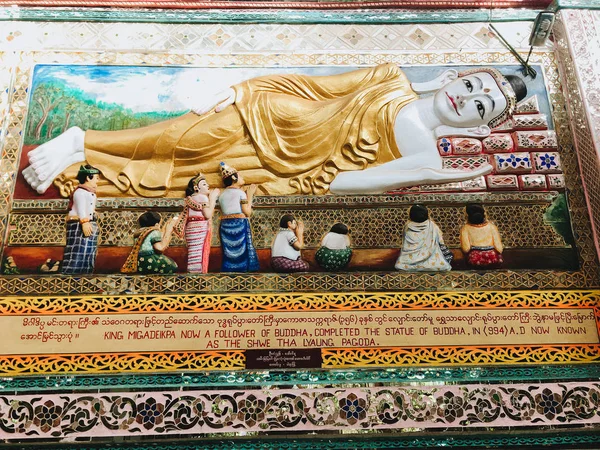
column 50, row 159
column 41, row 186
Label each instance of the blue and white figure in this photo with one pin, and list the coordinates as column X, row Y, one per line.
column 82, row 229
column 237, row 249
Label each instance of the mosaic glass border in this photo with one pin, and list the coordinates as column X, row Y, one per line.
column 513, row 440
column 576, row 4
column 387, row 16
column 587, row 276
column 352, row 409
column 392, row 376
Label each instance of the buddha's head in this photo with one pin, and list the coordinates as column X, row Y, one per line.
column 479, row 97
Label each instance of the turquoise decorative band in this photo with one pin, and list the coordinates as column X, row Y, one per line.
column 314, row 377
column 275, row 16
column 556, row 439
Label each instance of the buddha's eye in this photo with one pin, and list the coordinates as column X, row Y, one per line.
column 480, row 108
column 468, row 85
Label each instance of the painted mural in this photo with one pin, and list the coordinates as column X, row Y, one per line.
column 155, row 132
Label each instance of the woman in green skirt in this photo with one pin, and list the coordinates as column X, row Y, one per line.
column 335, row 252
column 147, row 253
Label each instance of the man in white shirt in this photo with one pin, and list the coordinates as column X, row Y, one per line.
column 82, row 229
column 285, row 251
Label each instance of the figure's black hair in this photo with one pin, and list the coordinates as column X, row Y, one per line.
column 475, row 213
column 149, row 219
column 83, row 177
column 228, row 181
column 283, row 222
column 191, row 187
column 518, row 86
column 418, row 213
column 340, row 228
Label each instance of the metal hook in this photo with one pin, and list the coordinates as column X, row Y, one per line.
column 528, row 69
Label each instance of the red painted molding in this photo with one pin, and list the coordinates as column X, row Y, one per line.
column 266, row 4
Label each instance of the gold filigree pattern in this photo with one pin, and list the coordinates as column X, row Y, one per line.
column 238, row 302
column 381, row 357
column 332, row 359
column 121, row 363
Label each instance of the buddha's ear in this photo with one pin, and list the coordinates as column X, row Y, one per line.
column 437, row 83
column 482, row 131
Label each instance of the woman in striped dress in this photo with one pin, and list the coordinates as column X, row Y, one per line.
column 195, row 223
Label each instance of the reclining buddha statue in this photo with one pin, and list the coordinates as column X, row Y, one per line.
column 360, row 132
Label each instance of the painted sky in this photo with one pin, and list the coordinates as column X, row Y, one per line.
column 147, row 88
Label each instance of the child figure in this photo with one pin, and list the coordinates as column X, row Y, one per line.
column 146, row 255
column 195, row 223
column 285, row 251
column 82, row 228
column 480, row 240
column 422, row 245
column 239, row 254
column 335, row 252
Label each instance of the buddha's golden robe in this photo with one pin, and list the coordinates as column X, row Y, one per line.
column 291, row 134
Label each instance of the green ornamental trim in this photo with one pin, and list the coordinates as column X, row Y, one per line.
column 314, row 377
column 576, row 4
column 266, row 16
column 549, row 439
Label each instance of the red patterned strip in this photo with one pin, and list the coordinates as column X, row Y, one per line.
column 177, row 4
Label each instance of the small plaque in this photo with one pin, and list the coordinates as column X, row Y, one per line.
column 284, row 358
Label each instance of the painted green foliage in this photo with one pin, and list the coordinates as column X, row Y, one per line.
column 557, row 215
column 54, row 107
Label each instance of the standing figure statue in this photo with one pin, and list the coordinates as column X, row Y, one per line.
column 195, row 223
column 82, row 228
column 480, row 240
column 238, row 251
column 363, row 131
column 423, row 247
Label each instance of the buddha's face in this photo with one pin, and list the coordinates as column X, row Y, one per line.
column 469, row 101
column 203, row 187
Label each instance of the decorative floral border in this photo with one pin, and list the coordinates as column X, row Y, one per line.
column 281, row 410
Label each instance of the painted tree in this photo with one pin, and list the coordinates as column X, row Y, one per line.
column 46, row 97
column 69, row 106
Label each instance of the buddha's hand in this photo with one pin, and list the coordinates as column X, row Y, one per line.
column 217, row 102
